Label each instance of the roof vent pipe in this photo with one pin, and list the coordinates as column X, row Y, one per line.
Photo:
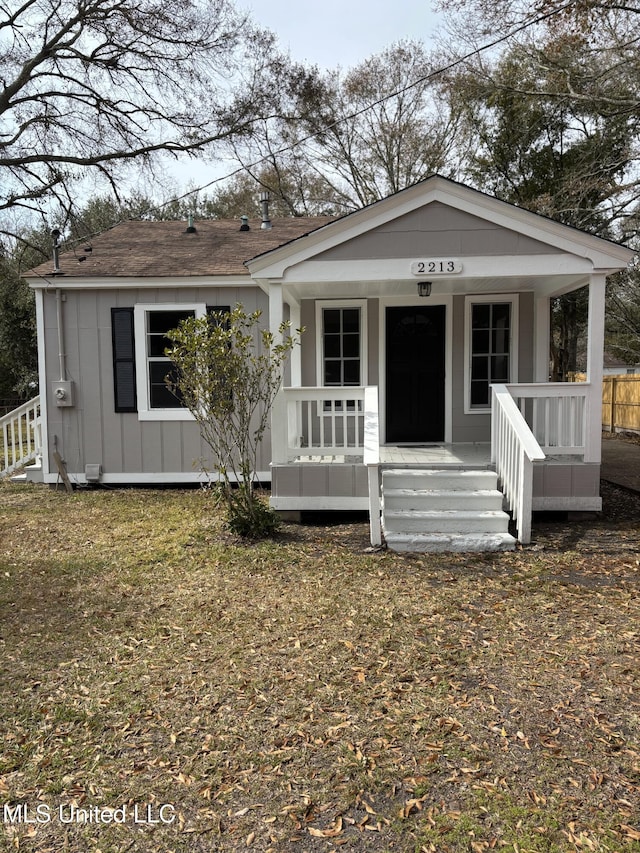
column 264, row 204
column 245, row 223
column 56, row 252
column 191, row 228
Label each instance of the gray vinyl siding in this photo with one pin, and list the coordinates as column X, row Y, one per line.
column 436, row 230
column 91, row 430
column 317, row 480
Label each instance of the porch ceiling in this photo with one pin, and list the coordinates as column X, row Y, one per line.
column 546, row 285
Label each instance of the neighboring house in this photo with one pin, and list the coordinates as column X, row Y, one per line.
column 614, row 366
column 421, row 311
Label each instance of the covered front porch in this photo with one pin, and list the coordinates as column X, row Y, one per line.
column 427, row 342
column 327, row 453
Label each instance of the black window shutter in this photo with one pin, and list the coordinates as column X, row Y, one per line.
column 124, row 360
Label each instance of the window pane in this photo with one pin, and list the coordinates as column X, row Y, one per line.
column 480, row 367
column 158, row 324
column 499, row 368
column 162, row 321
column 160, row 396
column 501, row 315
column 481, row 316
column 332, row 346
column 331, row 320
column 500, row 340
column 352, row 372
column 156, row 345
column 480, row 342
column 479, row 394
column 332, row 373
column 351, row 346
column 351, row 319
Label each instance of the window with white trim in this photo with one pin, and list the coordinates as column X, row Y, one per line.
column 342, row 338
column 490, row 346
column 156, row 400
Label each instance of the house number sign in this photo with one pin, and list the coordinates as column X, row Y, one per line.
column 436, row 266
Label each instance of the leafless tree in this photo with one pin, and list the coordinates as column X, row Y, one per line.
column 96, row 86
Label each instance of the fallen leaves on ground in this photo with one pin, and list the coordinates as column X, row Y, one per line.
column 306, row 694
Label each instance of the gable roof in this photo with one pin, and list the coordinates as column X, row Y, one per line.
column 139, row 248
column 603, row 254
column 165, row 249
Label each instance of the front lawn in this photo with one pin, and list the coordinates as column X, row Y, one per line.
column 165, row 688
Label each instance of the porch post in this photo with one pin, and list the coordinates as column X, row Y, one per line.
column 296, row 352
column 542, row 321
column 279, row 432
column 595, row 355
column 276, row 310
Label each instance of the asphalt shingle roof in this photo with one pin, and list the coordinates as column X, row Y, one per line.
column 165, row 249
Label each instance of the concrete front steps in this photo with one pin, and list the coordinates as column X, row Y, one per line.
column 443, row 510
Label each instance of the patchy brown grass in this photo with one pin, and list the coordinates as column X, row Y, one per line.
column 307, row 694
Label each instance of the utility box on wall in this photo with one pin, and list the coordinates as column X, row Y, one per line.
column 63, row 392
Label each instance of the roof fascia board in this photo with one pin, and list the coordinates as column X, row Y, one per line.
column 52, row 282
column 603, row 254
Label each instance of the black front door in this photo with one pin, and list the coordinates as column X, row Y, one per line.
column 415, row 337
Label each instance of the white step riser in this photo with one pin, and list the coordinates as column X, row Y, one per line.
column 439, row 480
column 439, row 543
column 408, row 499
column 449, row 521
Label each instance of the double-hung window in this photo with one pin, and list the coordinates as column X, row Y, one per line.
column 156, row 399
column 490, row 344
column 341, row 343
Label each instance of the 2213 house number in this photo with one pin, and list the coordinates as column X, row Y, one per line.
column 436, row 266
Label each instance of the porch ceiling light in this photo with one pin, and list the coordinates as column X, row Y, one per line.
column 424, row 288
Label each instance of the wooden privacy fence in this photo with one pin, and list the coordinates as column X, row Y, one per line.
column 621, row 402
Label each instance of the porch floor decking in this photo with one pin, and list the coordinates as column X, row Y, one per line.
column 425, row 456
column 441, row 455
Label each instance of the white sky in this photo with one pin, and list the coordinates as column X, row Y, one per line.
column 329, row 33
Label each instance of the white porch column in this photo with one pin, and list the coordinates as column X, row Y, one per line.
column 276, row 310
column 279, row 433
column 595, row 355
column 542, row 332
column 296, row 353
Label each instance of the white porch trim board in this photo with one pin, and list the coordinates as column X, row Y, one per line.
column 595, row 337
column 159, row 478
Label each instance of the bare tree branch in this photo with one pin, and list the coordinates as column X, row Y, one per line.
column 95, row 85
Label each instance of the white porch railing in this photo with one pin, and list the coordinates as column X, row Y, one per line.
column 556, row 414
column 514, row 449
column 339, row 423
column 318, row 422
column 20, row 437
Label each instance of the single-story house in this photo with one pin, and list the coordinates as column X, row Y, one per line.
column 614, row 366
column 420, row 390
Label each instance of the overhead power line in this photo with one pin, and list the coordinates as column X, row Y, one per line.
column 422, row 79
